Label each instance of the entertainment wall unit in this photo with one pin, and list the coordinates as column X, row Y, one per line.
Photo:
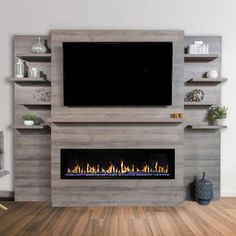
column 171, row 152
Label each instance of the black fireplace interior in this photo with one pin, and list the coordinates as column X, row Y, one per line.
column 118, row 163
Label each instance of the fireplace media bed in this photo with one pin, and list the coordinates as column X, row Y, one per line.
column 117, row 163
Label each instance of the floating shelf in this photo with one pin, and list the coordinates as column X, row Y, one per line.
column 29, row 80
column 197, row 104
column 206, row 80
column 36, row 104
column 170, row 120
column 43, row 126
column 200, row 57
column 210, row 127
column 31, row 57
column 158, row 120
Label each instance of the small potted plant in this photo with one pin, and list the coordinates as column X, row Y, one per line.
column 28, row 119
column 216, row 113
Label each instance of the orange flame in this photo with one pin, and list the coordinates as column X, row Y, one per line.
column 77, row 169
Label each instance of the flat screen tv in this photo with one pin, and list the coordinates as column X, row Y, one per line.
column 117, row 73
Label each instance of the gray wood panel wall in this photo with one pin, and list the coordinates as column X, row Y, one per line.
column 114, row 191
column 116, row 128
column 37, row 153
column 32, row 147
column 202, row 147
column 114, row 114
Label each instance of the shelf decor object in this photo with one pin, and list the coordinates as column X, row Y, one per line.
column 28, row 119
column 204, row 192
column 42, row 95
column 177, row 115
column 197, row 95
column 20, row 72
column 216, row 114
column 198, row 47
column 39, row 47
column 212, row 74
column 34, row 73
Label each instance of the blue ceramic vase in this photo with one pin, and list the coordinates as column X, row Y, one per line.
column 204, row 192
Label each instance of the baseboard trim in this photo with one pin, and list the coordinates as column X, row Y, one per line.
column 9, row 195
column 6, row 195
column 228, row 194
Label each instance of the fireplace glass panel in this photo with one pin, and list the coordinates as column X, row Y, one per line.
column 117, row 163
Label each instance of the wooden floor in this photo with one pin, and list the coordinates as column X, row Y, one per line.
column 218, row 218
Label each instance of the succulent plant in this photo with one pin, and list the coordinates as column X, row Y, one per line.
column 28, row 117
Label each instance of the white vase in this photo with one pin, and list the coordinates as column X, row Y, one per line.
column 213, row 74
column 28, row 122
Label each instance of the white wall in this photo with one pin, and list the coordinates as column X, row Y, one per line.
column 209, row 17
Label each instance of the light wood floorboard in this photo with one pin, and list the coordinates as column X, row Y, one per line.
column 40, row 219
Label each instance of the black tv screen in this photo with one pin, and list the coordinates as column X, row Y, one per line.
column 117, row 73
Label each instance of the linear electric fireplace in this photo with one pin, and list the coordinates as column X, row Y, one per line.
column 117, row 163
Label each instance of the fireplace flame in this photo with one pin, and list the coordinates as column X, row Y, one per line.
column 123, row 169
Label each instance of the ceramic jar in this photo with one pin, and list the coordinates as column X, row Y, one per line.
column 34, row 73
column 204, row 190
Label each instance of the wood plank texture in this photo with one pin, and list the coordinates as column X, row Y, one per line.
column 116, row 127
column 42, row 126
column 191, row 219
column 115, row 114
column 207, row 126
column 206, row 80
column 29, row 80
column 32, row 144
column 200, row 57
column 37, row 167
column 116, row 191
column 202, row 142
column 91, row 121
column 34, row 57
column 32, row 166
